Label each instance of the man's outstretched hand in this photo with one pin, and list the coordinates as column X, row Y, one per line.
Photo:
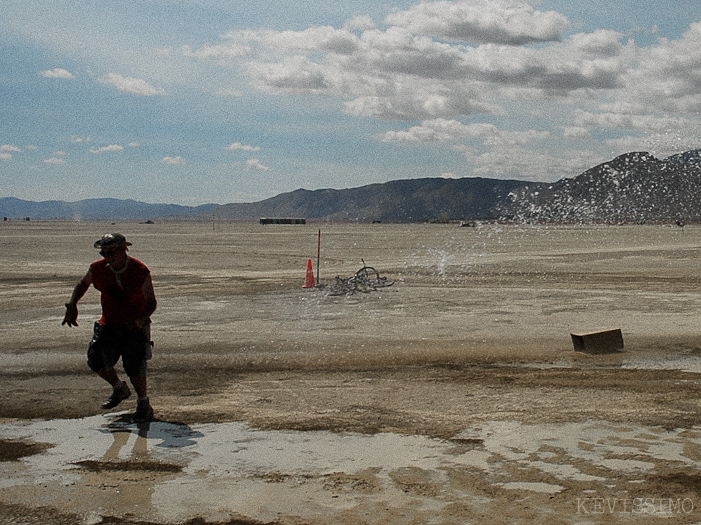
column 71, row 317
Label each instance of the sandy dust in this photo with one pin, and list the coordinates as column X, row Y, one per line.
column 453, row 396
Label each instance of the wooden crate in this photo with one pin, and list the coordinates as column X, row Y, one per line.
column 603, row 342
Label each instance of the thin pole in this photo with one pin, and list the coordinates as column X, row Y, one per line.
column 318, row 257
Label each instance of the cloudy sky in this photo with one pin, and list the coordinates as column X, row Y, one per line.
column 197, row 101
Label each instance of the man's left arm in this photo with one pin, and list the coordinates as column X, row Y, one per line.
column 151, row 302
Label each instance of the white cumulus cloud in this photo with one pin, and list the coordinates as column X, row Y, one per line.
column 576, row 132
column 418, row 68
column 57, row 72
column 130, row 85
column 174, row 161
column 255, row 164
column 483, row 21
column 107, row 149
column 225, row 50
column 439, row 130
column 237, row 146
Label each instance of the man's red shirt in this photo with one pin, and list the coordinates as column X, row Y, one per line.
column 122, row 294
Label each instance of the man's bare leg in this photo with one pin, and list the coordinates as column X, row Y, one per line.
column 110, row 375
column 120, row 390
column 140, row 385
column 144, row 411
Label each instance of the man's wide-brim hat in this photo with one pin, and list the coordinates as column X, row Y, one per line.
column 112, row 240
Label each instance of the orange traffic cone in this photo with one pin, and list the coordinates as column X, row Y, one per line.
column 309, row 281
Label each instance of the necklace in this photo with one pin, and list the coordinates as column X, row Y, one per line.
column 118, row 273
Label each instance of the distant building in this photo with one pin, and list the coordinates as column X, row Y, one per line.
column 283, row 221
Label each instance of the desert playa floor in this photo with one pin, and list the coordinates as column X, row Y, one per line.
column 452, row 397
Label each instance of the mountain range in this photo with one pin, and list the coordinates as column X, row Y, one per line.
column 634, row 187
column 411, row 200
column 89, row 209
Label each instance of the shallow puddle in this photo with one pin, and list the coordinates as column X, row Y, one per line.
column 682, row 363
column 169, row 472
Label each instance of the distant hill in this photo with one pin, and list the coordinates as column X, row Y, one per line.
column 634, row 188
column 412, row 200
column 88, row 209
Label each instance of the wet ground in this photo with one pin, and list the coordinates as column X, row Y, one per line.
column 168, row 472
column 453, row 396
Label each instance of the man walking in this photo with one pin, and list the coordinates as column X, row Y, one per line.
column 124, row 330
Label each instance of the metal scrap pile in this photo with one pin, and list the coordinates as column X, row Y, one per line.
column 365, row 280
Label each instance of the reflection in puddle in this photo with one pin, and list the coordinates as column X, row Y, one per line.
column 167, row 471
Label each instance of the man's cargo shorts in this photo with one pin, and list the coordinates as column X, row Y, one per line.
column 109, row 343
